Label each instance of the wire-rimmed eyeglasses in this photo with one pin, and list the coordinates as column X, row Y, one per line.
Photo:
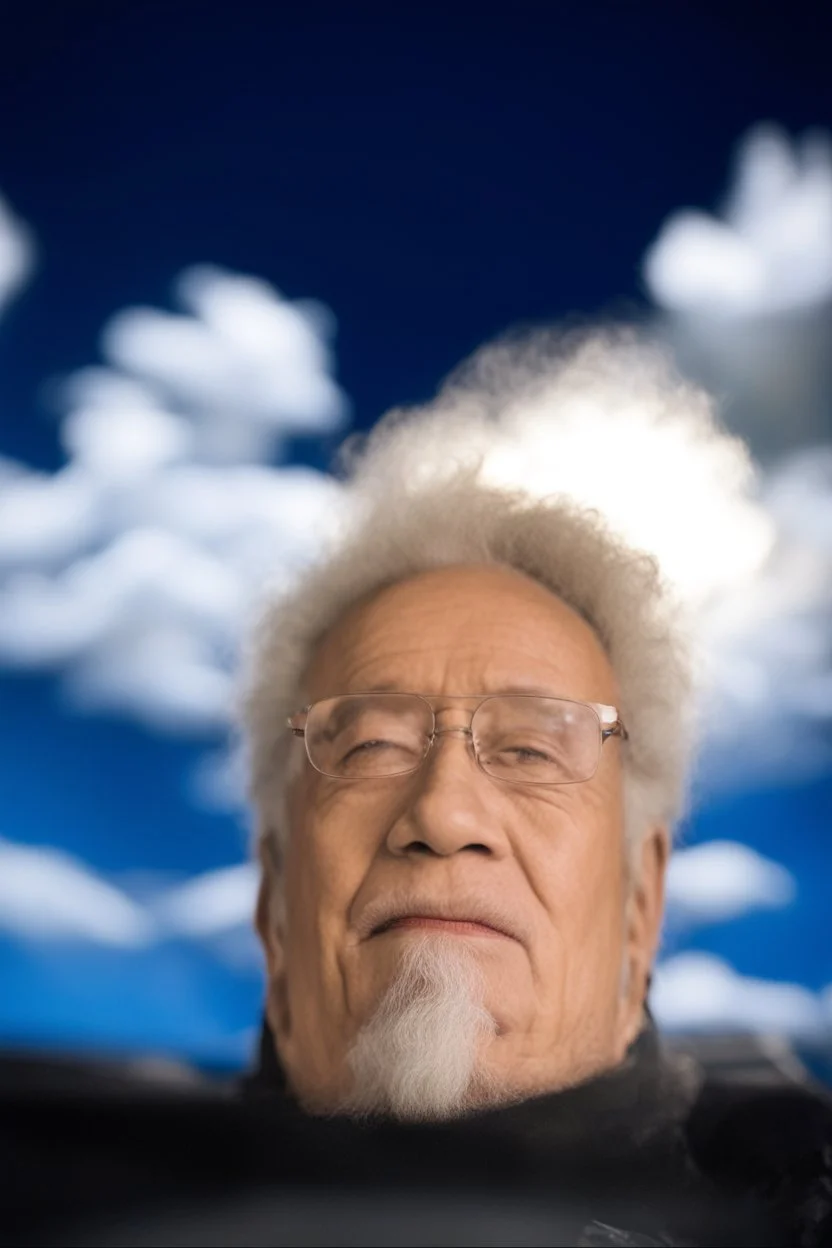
column 517, row 738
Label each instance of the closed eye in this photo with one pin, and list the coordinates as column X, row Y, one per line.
column 366, row 746
column 525, row 754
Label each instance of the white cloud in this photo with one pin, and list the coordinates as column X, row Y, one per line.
column 720, row 880
column 50, row 896
column 746, row 304
column 143, row 580
column 46, row 520
column 150, row 622
column 219, row 781
column 212, row 903
column 166, row 679
column 799, row 494
column 16, row 254
column 45, row 894
column 117, row 430
column 246, row 365
column 772, row 251
column 747, row 300
column 699, row 992
column 132, row 570
column 768, row 705
column 216, row 910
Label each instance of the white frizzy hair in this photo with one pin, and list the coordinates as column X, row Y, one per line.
column 418, row 500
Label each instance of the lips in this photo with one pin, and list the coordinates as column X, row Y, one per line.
column 451, row 926
column 468, row 912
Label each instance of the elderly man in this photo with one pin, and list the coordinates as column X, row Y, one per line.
column 469, row 729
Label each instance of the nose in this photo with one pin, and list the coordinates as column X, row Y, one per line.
column 452, row 807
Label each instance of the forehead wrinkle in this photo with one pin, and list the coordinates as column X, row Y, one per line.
column 465, row 675
column 502, row 633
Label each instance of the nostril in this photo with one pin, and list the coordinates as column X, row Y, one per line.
column 423, row 848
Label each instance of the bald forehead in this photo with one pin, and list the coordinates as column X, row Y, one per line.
column 456, row 624
column 464, row 590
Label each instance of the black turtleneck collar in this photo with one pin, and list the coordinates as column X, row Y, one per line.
column 649, row 1091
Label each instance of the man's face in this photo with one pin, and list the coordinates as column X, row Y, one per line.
column 552, row 860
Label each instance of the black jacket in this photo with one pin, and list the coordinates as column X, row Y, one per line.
column 649, row 1154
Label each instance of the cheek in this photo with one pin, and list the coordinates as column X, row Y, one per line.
column 595, row 935
column 575, row 866
column 328, row 855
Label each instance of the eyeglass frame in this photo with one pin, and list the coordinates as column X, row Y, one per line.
column 610, row 724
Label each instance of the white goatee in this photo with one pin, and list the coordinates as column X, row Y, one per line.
column 419, row 1055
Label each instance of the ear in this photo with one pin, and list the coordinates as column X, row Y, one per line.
column 268, row 922
column 645, row 908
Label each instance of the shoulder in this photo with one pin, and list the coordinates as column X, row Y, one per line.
column 772, row 1144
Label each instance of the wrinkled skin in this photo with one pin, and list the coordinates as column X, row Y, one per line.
column 567, row 993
